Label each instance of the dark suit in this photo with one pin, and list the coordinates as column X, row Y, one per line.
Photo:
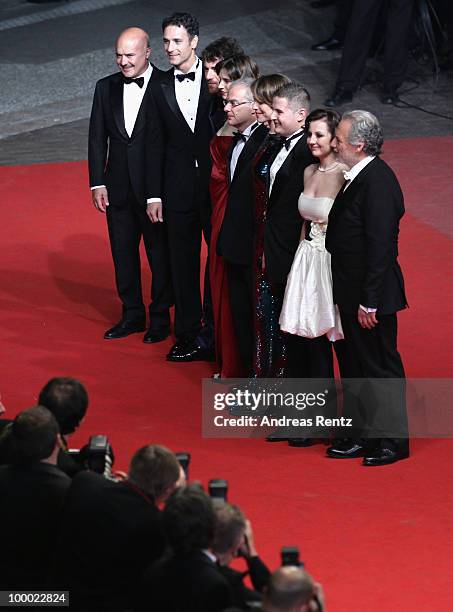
column 235, row 244
column 362, row 237
column 306, row 358
column 186, row 583
column 186, row 203
column 30, row 511
column 283, row 220
column 110, row 533
column 118, row 162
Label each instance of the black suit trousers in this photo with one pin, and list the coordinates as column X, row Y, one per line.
column 185, row 229
column 240, row 285
column 359, row 35
column 373, row 354
column 127, row 224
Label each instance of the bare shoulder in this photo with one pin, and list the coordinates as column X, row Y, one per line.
column 310, row 170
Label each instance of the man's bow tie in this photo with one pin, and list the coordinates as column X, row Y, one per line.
column 237, row 136
column 138, row 81
column 347, row 175
column 189, row 75
column 286, row 142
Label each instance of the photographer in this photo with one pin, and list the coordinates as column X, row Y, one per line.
column 188, row 578
column 291, row 589
column 233, row 538
column 112, row 530
column 67, row 400
column 32, row 492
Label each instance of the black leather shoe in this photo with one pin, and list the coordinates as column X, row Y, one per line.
column 340, row 96
column 275, row 437
column 384, row 456
column 190, row 351
column 351, row 451
column 331, row 44
column 156, row 335
column 303, row 442
column 124, row 328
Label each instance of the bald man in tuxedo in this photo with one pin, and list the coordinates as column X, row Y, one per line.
column 122, row 125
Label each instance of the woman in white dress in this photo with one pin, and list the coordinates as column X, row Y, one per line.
column 308, row 310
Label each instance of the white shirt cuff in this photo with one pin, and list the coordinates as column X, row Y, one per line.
column 367, row 310
column 153, row 200
column 97, row 187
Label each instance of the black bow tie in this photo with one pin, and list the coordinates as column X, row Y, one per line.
column 286, row 142
column 237, row 136
column 189, row 75
column 138, row 81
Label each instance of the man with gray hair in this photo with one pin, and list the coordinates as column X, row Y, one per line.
column 368, row 287
column 235, row 241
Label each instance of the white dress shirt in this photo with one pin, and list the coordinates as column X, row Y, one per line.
column 351, row 174
column 188, row 93
column 132, row 100
column 281, row 158
column 239, row 147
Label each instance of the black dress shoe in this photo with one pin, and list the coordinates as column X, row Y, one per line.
column 190, row 351
column 340, row 96
column 331, row 44
column 351, row 451
column 303, row 442
column 124, row 328
column 156, row 335
column 384, row 456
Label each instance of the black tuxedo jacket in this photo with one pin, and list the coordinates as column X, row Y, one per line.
column 235, row 241
column 284, row 223
column 186, row 583
column 115, row 159
column 362, row 237
column 182, row 146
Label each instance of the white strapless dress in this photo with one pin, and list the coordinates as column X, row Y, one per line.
column 308, row 309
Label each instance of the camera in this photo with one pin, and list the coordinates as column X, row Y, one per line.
column 96, row 456
column 218, row 490
column 184, row 462
column 290, row 556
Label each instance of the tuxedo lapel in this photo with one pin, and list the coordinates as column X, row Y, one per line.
column 140, row 122
column 286, row 168
column 247, row 152
column 168, row 88
column 116, row 101
column 204, row 102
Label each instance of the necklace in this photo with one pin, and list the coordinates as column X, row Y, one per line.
column 328, row 168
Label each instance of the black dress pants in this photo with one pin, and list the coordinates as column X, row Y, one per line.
column 376, row 405
column 185, row 229
column 359, row 36
column 127, row 224
column 240, row 286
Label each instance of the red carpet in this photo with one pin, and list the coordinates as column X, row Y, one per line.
column 378, row 539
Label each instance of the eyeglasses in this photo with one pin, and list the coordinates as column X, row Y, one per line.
column 235, row 103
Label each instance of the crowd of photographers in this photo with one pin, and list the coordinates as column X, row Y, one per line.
column 145, row 540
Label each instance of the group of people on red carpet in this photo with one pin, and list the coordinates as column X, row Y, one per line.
column 300, row 215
